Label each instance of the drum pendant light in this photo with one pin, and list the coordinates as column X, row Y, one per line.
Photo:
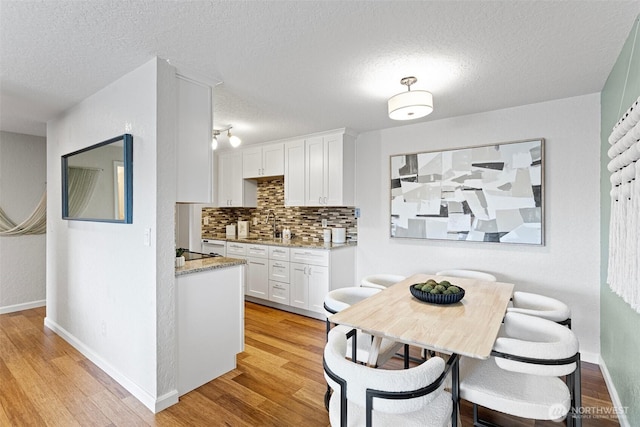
column 410, row 105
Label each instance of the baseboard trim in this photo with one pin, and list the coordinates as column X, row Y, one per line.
column 153, row 404
column 24, row 306
column 589, row 357
column 613, row 392
column 284, row 307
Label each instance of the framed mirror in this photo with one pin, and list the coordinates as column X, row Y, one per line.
column 97, row 182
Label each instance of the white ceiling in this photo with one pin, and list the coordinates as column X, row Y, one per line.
column 293, row 68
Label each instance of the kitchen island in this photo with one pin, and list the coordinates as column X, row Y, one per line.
column 210, row 319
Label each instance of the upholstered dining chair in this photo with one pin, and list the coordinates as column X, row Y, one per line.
column 365, row 396
column 472, row 274
column 339, row 299
column 381, row 281
column 541, row 306
column 522, row 377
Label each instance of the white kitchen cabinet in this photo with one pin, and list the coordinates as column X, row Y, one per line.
column 233, row 190
column 279, row 275
column 194, row 157
column 210, row 324
column 294, row 173
column 330, row 170
column 257, row 271
column 262, row 161
column 236, row 250
column 309, row 285
column 299, row 278
column 279, row 292
column 310, row 280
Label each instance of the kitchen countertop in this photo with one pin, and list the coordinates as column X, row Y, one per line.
column 292, row 243
column 208, row 264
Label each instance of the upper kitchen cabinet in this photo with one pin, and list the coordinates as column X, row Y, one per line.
column 330, row 170
column 266, row 160
column 233, row 191
column 194, row 158
column 294, row 173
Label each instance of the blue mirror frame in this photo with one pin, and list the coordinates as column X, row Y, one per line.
column 106, row 186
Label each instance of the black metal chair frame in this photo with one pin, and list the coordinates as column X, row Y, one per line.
column 404, row 356
column 573, row 382
column 451, row 366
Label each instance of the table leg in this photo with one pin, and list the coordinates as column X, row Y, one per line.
column 375, row 350
column 455, row 389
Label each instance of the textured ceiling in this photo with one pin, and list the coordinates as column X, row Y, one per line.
column 293, row 68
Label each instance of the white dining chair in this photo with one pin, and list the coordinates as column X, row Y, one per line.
column 522, row 377
column 541, row 306
column 471, row 274
column 381, row 281
column 339, row 299
column 364, row 396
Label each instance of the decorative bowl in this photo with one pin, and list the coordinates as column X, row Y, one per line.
column 437, row 298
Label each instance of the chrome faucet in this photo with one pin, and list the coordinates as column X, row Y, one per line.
column 266, row 221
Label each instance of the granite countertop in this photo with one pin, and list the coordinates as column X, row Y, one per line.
column 292, row 243
column 208, row 264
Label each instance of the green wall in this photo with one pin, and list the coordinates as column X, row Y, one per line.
column 619, row 324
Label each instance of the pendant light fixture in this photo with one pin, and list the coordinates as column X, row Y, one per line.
column 410, row 105
column 233, row 140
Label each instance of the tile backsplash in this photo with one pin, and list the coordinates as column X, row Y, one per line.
column 304, row 222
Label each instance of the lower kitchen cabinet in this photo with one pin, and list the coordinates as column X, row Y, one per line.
column 257, row 278
column 279, row 292
column 309, row 286
column 295, row 279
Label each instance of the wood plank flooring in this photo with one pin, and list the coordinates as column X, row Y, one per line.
column 279, row 381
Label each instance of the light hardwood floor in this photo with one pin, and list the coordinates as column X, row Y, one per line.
column 278, row 382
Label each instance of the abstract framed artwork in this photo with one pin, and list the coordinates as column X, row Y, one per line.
column 491, row 193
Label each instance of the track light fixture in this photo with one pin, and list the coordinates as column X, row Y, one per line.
column 233, row 140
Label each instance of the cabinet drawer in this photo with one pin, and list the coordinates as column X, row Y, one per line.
column 236, row 249
column 257, row 251
column 279, row 271
column 279, row 292
column 310, row 256
column 276, row 252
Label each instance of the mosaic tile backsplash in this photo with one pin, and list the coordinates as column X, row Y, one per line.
column 304, row 222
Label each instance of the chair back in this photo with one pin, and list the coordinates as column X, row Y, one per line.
column 358, row 378
column 540, row 306
column 381, row 281
column 339, row 299
column 544, row 347
column 471, row 274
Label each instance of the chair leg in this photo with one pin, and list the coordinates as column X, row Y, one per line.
column 577, row 394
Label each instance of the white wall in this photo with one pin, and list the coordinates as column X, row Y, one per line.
column 22, row 258
column 566, row 267
column 107, row 293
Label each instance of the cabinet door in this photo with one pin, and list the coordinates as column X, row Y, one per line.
column 333, row 177
column 258, row 278
column 299, row 286
column 318, row 278
column 294, row 175
column 230, row 182
column 252, row 162
column 315, row 170
column 273, row 160
column 194, row 180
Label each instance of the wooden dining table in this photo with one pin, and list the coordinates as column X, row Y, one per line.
column 466, row 328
